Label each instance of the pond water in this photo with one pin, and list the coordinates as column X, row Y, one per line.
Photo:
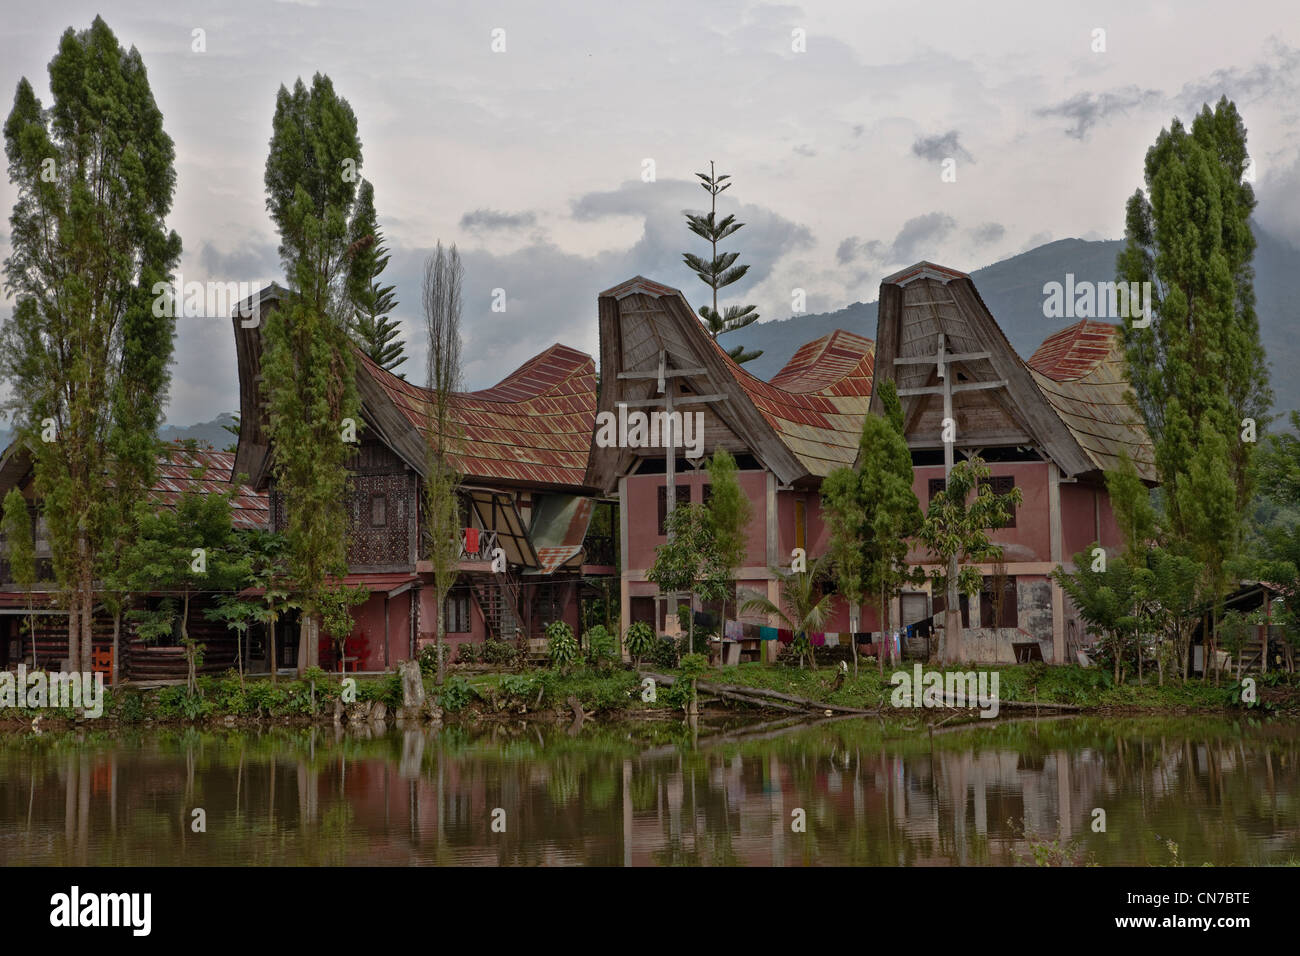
column 1187, row 790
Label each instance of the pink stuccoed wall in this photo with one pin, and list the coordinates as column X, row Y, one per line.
column 1030, row 539
column 1081, row 507
column 643, row 535
column 368, row 623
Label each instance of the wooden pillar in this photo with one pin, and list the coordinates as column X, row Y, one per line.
column 1055, row 552
column 386, row 631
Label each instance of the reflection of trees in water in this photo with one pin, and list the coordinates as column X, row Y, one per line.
column 1221, row 792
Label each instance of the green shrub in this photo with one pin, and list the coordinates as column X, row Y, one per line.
column 640, row 640
column 602, row 646
column 663, row 653
column 500, row 653
column 468, row 653
column 561, row 646
column 520, row 685
column 428, row 658
column 455, row 694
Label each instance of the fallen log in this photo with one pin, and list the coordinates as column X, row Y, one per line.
column 748, row 694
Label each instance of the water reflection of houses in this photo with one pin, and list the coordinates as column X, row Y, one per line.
column 429, row 797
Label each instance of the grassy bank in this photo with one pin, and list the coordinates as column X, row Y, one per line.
column 548, row 694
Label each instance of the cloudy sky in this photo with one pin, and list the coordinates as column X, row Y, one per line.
column 532, row 160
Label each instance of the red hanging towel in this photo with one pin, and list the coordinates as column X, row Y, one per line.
column 471, row 540
column 784, row 635
column 817, row 638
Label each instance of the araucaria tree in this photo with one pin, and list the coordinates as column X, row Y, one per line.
column 443, row 273
column 373, row 327
column 85, row 352
column 720, row 269
column 872, row 511
column 1198, row 370
column 308, row 371
column 957, row 524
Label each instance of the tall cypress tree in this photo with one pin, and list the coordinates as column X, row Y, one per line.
column 373, row 328
column 719, row 270
column 1198, row 371
column 308, row 371
column 872, row 511
column 85, row 353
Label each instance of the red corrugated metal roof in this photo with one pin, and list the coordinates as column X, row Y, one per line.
column 1074, row 351
column 535, row 425
column 177, row 468
column 817, row 403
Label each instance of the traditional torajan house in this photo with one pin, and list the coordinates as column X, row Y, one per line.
column 180, row 469
column 786, row 436
column 1049, row 427
column 521, row 452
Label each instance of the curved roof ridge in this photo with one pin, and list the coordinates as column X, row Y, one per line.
column 824, row 362
column 529, row 381
column 1075, row 351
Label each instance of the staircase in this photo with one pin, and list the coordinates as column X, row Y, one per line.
column 498, row 599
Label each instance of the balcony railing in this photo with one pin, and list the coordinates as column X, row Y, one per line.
column 599, row 549
column 487, row 543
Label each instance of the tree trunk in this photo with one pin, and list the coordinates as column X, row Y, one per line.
column 854, row 622
column 117, row 631
column 271, row 643
column 74, row 635
column 442, row 627
column 87, row 626
column 185, row 642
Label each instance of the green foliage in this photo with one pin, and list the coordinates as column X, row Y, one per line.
column 20, row 551
column 455, row 694
column 664, row 654
column 500, row 653
column 807, row 611
column 871, row 512
column 94, row 178
column 561, row 647
column 690, row 561
column 640, row 640
column 182, row 551
column 443, row 274
column 308, row 376
column 1198, row 371
column 956, row 528
column 428, row 658
column 602, row 646
column 373, row 328
column 719, row 270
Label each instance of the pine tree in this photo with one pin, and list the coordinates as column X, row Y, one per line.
column 373, row 329
column 308, row 371
column 85, row 352
column 872, row 511
column 719, row 271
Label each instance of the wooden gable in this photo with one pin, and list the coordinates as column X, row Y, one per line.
column 995, row 400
